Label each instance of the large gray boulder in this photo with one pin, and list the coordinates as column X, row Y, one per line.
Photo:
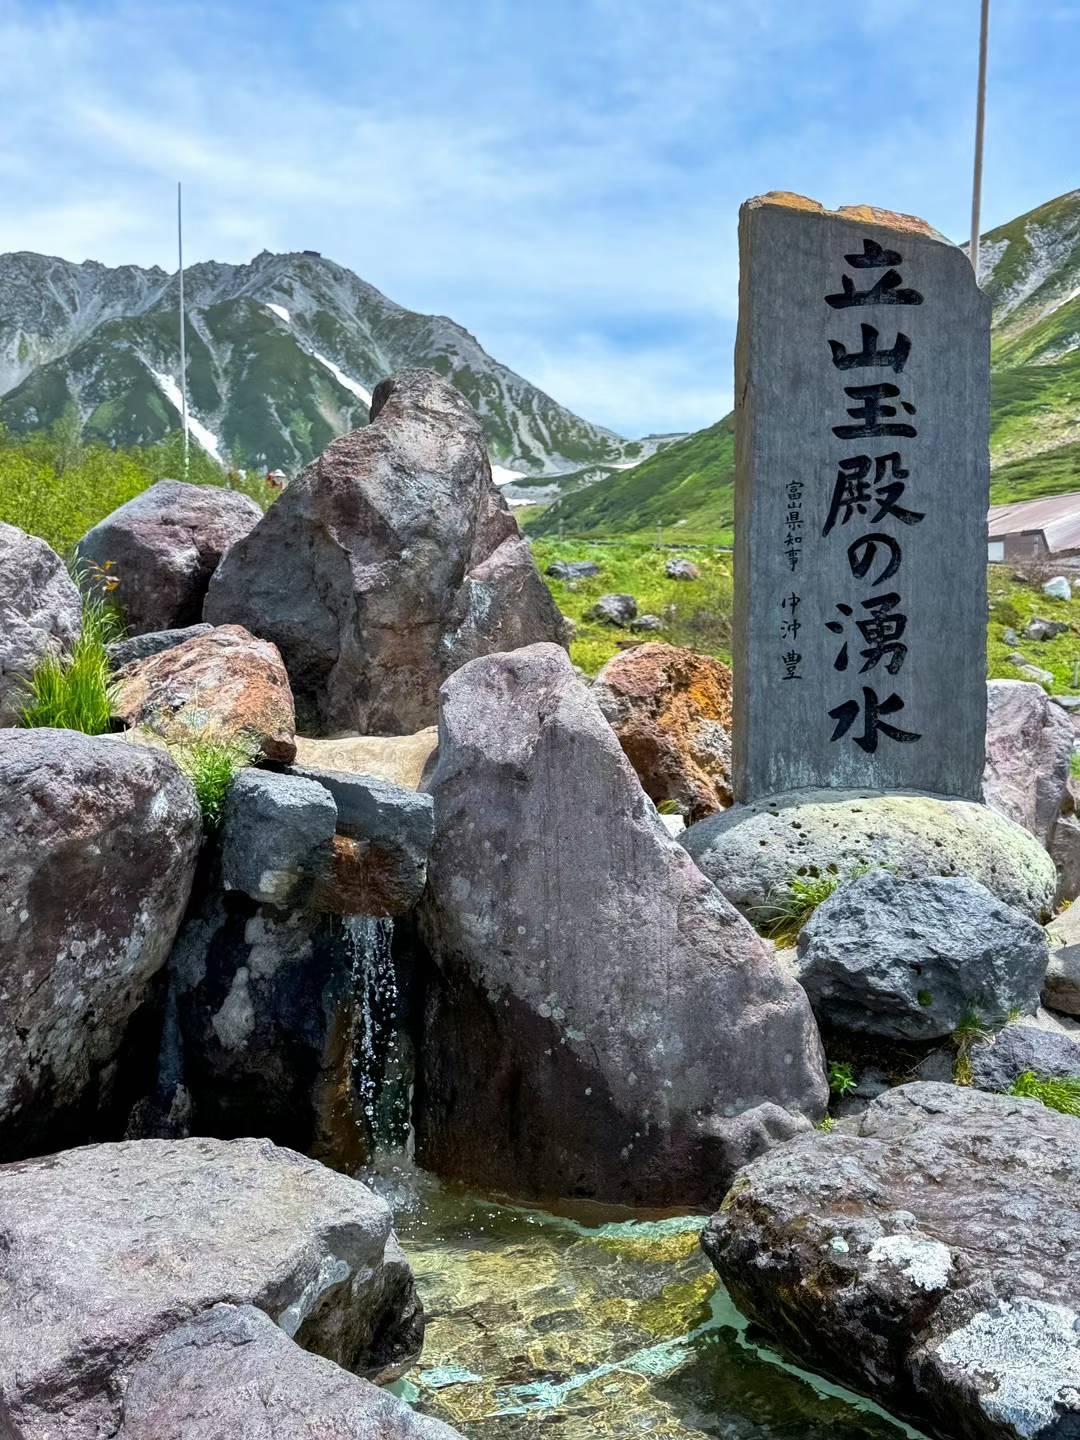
column 752, row 852
column 232, row 1372
column 930, row 1259
column 108, row 1248
column 390, row 562
column 40, row 613
column 1061, row 989
column 998, row 1062
column 98, row 843
column 277, row 836
column 164, row 546
column 910, row 959
column 602, row 1023
column 1029, row 743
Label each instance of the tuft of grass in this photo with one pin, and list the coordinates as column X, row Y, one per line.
column 212, row 763
column 841, row 1078
column 1059, row 1094
column 788, row 909
column 1074, row 764
column 75, row 692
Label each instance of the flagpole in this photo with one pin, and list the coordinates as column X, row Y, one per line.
column 980, row 118
column 183, row 341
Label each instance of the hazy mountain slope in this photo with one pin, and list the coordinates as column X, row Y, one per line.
column 1031, row 270
column 283, row 354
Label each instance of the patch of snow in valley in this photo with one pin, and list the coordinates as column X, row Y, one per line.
column 343, row 379
column 206, row 438
column 279, row 311
column 502, row 476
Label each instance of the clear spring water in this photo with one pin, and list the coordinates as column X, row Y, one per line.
column 540, row 1326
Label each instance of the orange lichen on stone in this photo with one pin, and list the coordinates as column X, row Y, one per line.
column 865, row 214
column 788, row 198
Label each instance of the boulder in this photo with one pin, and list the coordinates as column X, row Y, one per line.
column 1034, row 675
column 1065, row 852
column 232, row 1371
column 1061, row 989
column 1029, row 744
column 277, row 836
column 141, row 647
column 647, row 625
column 1058, row 588
column 910, row 959
column 388, row 563
column 1038, row 629
column 681, row 569
column 98, row 844
column 223, row 683
column 572, row 569
column 379, row 864
column 164, row 546
column 929, row 1259
column 752, row 852
column 999, row 1060
column 671, row 709
column 601, row 1022
column 401, row 759
column 261, row 1029
column 40, row 613
column 614, row 609
column 110, row 1247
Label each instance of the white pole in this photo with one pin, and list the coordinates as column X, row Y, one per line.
column 183, row 342
column 980, row 117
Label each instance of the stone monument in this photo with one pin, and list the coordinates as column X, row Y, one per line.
column 862, row 385
column 862, row 382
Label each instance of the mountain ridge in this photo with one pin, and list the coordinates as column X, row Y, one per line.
column 283, row 352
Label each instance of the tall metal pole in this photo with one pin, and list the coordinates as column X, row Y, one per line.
column 183, row 340
column 980, row 117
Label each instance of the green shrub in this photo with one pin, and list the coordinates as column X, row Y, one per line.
column 787, row 910
column 1061, row 1094
column 841, row 1078
column 212, row 764
column 75, row 693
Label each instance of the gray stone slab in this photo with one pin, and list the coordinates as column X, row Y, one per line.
column 800, row 554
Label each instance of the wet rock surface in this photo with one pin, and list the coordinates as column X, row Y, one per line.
column 232, row 1371
column 930, row 1259
column 671, row 709
column 98, row 846
column 40, row 613
column 108, row 1248
column 388, row 563
column 163, row 546
column 600, row 1018
column 911, row 959
column 224, row 682
column 752, row 852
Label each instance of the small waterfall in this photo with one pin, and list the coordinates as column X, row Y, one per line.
column 382, row 1059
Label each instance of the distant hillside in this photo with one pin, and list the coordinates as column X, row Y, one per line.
column 282, row 356
column 1030, row 268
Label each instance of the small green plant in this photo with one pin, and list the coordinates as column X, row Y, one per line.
column 1074, row 764
column 788, row 909
column 75, row 692
column 970, row 1031
column 925, row 999
column 841, row 1078
column 827, row 1124
column 212, row 763
column 1056, row 1094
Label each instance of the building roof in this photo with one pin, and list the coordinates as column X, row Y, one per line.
column 1057, row 516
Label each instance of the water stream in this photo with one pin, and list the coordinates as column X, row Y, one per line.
column 542, row 1326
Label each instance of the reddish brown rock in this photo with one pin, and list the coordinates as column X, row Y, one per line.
column 671, row 709
column 225, row 683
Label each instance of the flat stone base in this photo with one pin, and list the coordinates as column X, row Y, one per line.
column 750, row 852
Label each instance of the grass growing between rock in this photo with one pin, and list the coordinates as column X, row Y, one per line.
column 1012, row 604
column 75, row 692
column 695, row 613
column 1056, row 1094
column 786, row 911
column 212, row 764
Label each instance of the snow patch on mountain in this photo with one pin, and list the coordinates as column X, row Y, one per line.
column 279, row 311
column 206, row 438
column 343, row 379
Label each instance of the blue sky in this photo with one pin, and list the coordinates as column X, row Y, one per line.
column 562, row 177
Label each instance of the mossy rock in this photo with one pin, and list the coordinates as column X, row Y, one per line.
column 752, row 852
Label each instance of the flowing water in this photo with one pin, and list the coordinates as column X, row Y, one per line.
column 540, row 1326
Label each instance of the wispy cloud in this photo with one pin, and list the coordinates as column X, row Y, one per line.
column 563, row 179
